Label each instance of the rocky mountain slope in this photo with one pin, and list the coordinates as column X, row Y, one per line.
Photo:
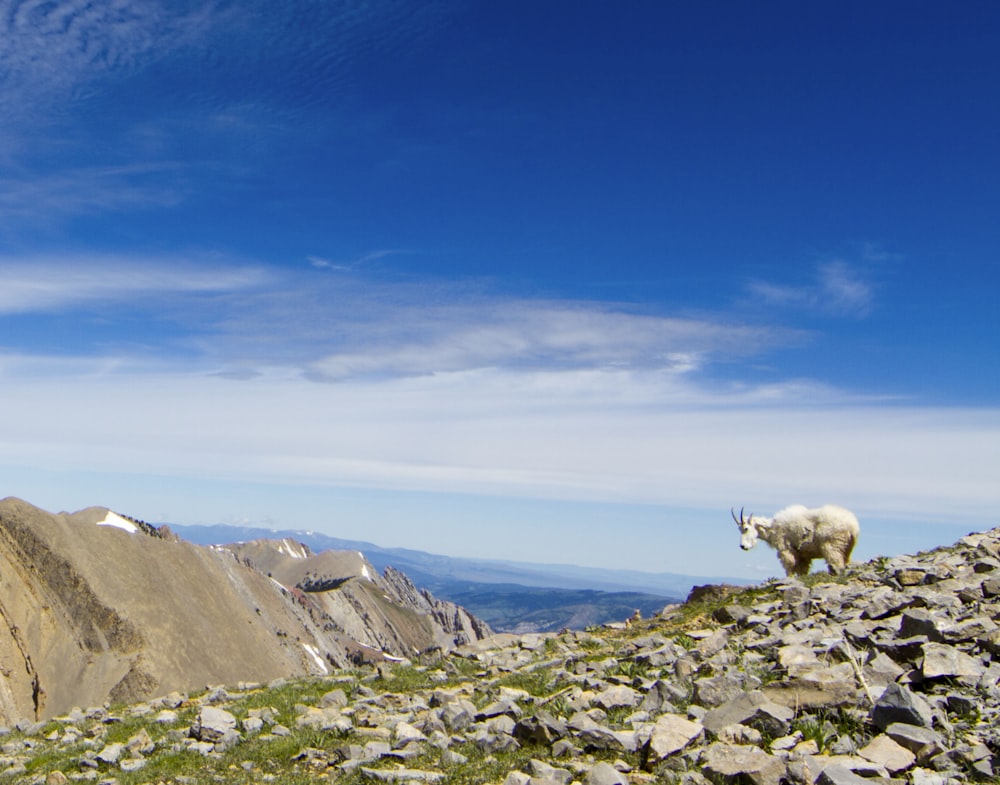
column 884, row 674
column 96, row 607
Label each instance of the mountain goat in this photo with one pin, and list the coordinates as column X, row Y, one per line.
column 800, row 535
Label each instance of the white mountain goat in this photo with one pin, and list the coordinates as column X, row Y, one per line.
column 800, row 535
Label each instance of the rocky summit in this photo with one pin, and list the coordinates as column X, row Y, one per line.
column 884, row 674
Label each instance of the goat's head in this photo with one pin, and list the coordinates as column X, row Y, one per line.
column 748, row 529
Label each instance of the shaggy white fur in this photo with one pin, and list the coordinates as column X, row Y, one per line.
column 800, row 534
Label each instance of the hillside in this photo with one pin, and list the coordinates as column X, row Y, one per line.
column 884, row 674
column 95, row 606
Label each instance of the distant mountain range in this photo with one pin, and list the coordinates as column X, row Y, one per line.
column 509, row 596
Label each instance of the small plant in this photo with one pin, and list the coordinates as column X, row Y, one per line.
column 537, row 683
column 592, row 644
column 826, row 727
column 551, row 646
column 630, row 669
column 819, row 731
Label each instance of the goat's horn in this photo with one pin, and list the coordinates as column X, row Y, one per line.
column 733, row 513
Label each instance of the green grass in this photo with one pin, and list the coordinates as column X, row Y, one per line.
column 407, row 678
column 537, row 683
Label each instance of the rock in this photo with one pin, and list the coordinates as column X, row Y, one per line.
column 942, row 660
column 605, row 774
column 406, row 733
column 671, row 734
column 597, row 736
column 458, row 714
column 973, row 629
column 505, row 706
column 754, row 709
column 915, row 622
column 732, row 614
column 110, row 754
column 452, row 758
column 211, row 724
column 617, row 696
column 924, row 742
column 900, row 704
column 333, row 699
column 324, row 719
column 713, row 691
column 406, row 775
column 734, row 761
column 927, row 777
column 712, row 644
column 884, row 751
column 659, row 695
column 740, row 734
column 837, row 774
column 815, row 686
column 140, row 744
column 540, row 770
column 542, row 728
column 796, row 654
column 252, row 725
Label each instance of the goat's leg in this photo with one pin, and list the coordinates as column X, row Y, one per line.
column 835, row 561
column 789, row 561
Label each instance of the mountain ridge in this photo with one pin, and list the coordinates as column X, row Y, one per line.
column 96, row 606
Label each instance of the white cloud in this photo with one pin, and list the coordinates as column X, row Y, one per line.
column 603, row 436
column 533, row 334
column 838, row 289
column 32, row 285
column 841, row 290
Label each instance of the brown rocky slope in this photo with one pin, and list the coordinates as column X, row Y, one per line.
column 123, row 611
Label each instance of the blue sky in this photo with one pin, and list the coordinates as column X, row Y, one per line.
column 556, row 282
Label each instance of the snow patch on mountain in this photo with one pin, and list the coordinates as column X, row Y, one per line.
column 118, row 522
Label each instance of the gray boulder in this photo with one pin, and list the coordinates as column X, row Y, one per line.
column 211, row 724
column 900, row 704
column 754, row 709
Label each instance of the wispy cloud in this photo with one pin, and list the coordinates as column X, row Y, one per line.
column 263, row 322
column 610, row 436
column 837, row 289
column 44, row 285
column 336, row 328
column 59, row 51
column 54, row 49
column 93, row 190
column 351, row 265
column 523, row 334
